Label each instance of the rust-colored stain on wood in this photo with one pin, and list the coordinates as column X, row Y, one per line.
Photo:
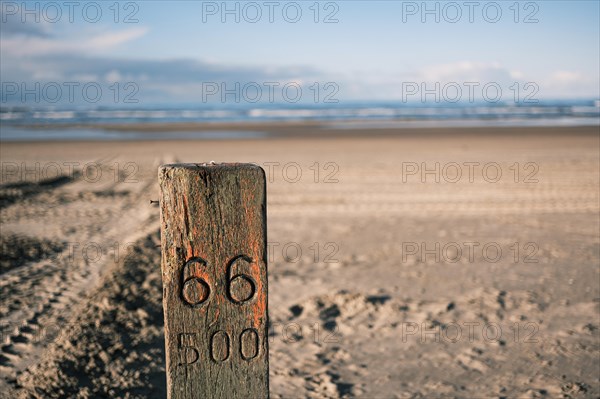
column 214, row 269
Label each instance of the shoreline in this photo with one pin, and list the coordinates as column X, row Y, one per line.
column 260, row 131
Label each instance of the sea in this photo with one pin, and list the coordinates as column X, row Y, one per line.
column 43, row 123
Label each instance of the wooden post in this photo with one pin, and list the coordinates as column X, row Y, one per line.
column 214, row 271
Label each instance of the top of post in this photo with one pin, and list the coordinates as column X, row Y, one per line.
column 211, row 164
column 208, row 166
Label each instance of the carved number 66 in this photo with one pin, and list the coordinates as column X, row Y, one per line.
column 196, row 287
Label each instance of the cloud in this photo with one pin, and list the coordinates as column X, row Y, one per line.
column 35, row 36
column 12, row 25
column 32, row 55
column 32, row 45
column 113, row 39
column 157, row 80
column 392, row 86
column 571, row 84
column 17, row 28
column 164, row 71
column 467, row 71
column 567, row 77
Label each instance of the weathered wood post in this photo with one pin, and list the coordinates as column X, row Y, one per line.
column 214, row 271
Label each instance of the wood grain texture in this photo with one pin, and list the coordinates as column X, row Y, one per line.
column 214, row 270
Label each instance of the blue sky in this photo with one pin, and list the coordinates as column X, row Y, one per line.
column 370, row 52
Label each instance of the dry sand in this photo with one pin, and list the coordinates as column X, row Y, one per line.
column 81, row 302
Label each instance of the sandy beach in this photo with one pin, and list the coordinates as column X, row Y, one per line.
column 404, row 263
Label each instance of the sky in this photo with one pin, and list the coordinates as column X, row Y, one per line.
column 193, row 51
